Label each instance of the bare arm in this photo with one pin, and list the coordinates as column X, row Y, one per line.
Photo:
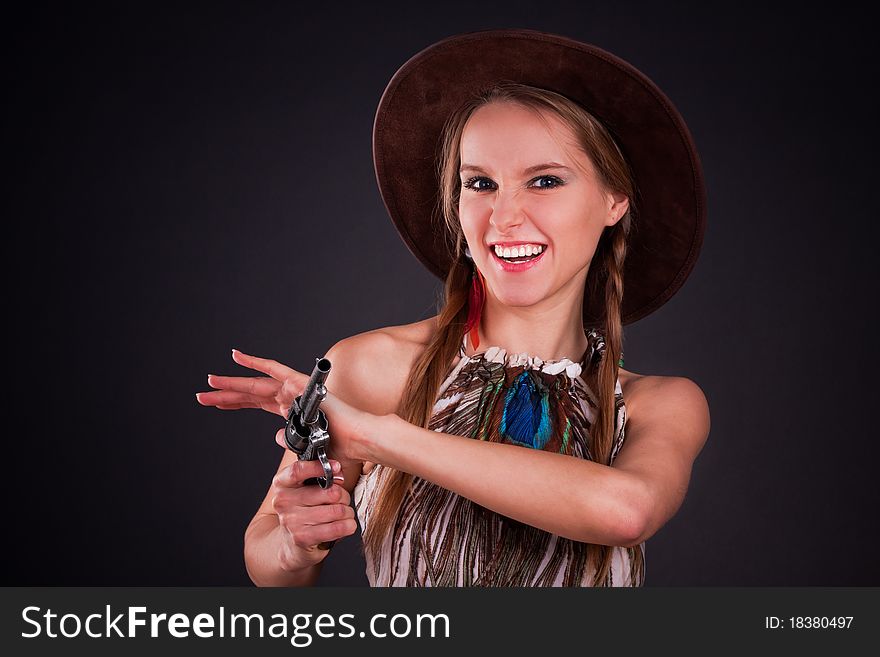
column 663, row 439
column 264, row 544
column 571, row 497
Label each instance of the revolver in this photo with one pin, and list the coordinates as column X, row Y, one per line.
column 306, row 429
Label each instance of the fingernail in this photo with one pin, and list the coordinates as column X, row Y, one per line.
column 339, row 477
column 197, row 396
column 234, row 351
column 336, row 466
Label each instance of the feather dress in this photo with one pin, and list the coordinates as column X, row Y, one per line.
column 444, row 539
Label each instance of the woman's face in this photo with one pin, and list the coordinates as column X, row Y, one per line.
column 509, row 197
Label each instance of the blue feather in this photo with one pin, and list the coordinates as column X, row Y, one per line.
column 526, row 417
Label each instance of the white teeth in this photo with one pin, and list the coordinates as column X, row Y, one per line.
column 518, row 251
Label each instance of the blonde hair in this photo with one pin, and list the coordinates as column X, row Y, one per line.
column 433, row 364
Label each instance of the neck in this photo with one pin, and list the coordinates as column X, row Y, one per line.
column 551, row 330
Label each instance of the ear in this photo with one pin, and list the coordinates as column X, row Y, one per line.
column 617, row 204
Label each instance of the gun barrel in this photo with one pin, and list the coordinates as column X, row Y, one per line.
column 315, row 391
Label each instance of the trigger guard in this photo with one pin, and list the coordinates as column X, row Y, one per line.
column 327, row 480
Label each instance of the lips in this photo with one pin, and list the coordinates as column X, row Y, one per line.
column 513, row 267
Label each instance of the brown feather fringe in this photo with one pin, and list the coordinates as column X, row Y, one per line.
column 444, row 539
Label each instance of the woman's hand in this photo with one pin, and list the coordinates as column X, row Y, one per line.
column 276, row 392
column 309, row 515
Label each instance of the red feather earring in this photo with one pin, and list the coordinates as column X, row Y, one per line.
column 476, row 299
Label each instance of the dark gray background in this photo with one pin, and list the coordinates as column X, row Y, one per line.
column 188, row 180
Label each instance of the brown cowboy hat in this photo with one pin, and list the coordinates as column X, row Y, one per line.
column 671, row 199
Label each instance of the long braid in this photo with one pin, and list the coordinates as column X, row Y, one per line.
column 602, row 431
column 426, row 376
column 608, row 370
column 613, row 260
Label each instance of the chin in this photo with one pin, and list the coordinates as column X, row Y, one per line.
column 520, row 298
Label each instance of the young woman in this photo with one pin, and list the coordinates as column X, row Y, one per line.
column 501, row 443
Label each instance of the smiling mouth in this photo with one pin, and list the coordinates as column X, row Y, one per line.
column 518, row 263
column 514, row 254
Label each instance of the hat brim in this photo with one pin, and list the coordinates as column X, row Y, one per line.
column 671, row 195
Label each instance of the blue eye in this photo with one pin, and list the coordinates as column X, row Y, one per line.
column 553, row 179
column 471, row 183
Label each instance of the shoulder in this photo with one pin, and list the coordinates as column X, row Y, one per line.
column 370, row 369
column 677, row 399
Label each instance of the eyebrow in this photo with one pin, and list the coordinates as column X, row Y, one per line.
column 532, row 169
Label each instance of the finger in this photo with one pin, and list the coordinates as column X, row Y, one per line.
column 312, row 535
column 324, row 513
column 254, row 385
column 235, row 407
column 273, row 368
column 202, row 398
column 228, row 400
column 281, row 440
column 292, row 388
column 226, row 397
column 309, row 496
column 296, row 473
column 344, row 497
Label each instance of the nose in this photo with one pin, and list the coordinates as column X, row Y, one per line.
column 507, row 213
